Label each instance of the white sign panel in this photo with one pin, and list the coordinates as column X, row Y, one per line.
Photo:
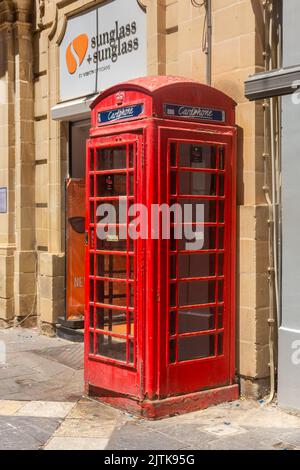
column 102, row 47
column 3, row 200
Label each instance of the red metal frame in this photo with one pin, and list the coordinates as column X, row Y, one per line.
column 155, row 384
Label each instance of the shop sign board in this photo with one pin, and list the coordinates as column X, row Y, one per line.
column 102, row 47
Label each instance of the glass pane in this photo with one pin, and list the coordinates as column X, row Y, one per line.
column 131, row 157
column 173, row 148
column 196, row 347
column 113, row 293
column 111, row 158
column 91, row 317
column 221, row 238
column 220, row 317
column 206, row 239
column 131, row 352
column 197, row 265
column 131, row 185
column 222, row 158
column 173, row 182
column 114, row 239
column 91, row 343
column 92, row 293
column 221, row 264
column 201, row 319
column 172, row 327
column 92, row 213
column 114, row 348
column 197, row 156
column 111, row 320
column 221, row 185
column 173, row 241
column 173, row 267
column 111, row 185
column 130, row 295
column 172, row 295
column 92, row 160
column 91, row 186
column 92, row 269
column 196, row 292
column 112, row 212
column 196, row 183
column 206, row 208
column 131, row 267
column 172, row 351
column 220, row 291
column 221, row 212
column 220, row 344
column 113, row 266
column 131, row 323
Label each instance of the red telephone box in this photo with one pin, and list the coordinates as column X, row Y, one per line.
column 160, row 312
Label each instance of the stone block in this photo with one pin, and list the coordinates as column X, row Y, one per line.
column 252, row 325
column 6, row 287
column 253, row 290
column 171, row 15
column 25, row 261
column 25, row 283
column 25, row 305
column 52, row 264
column 6, row 309
column 49, row 309
column 253, row 256
column 51, row 288
column 255, row 389
column 253, row 360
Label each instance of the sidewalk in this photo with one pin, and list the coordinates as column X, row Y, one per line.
column 41, row 407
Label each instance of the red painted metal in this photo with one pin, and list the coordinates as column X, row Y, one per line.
column 160, row 319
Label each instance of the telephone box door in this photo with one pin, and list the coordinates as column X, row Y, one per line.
column 112, row 328
column 197, row 313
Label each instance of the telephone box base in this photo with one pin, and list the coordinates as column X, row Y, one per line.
column 158, row 409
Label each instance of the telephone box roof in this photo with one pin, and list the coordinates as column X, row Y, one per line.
column 153, row 85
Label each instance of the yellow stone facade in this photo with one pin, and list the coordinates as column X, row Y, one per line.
column 34, row 152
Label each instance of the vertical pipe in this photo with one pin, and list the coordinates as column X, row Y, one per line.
column 209, row 43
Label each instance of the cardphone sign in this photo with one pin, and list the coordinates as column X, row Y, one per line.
column 127, row 112
column 194, row 112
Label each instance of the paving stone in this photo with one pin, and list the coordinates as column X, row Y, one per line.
column 225, row 429
column 31, row 376
column 25, row 433
column 27, row 339
column 85, row 428
column 42, row 379
column 188, row 433
column 76, row 443
column 70, row 355
column 9, row 407
column 46, row 409
column 292, row 437
column 246, row 442
column 131, row 436
column 91, row 409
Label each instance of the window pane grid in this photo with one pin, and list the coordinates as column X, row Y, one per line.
column 214, row 332
column 112, row 279
column 211, row 331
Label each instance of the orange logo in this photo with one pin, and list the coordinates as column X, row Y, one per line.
column 76, row 52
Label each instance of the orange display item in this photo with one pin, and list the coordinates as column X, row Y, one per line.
column 75, row 223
